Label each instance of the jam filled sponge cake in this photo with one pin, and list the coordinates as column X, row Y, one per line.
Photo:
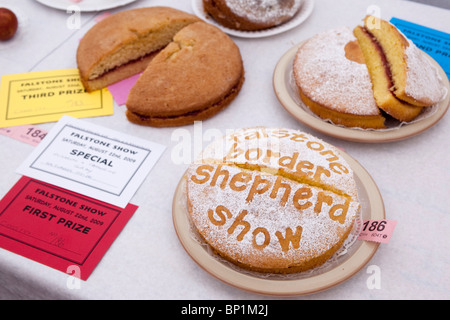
column 359, row 78
column 381, row 79
column 272, row 200
column 198, row 74
column 414, row 79
column 122, row 44
column 251, row 15
column 333, row 80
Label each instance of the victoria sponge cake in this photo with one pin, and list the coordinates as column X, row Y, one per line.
column 190, row 69
column 333, row 80
column 123, row 43
column 198, row 74
column 272, row 200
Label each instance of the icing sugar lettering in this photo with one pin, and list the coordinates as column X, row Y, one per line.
column 259, row 154
column 260, row 236
column 258, row 185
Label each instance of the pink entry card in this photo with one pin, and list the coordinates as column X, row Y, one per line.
column 121, row 89
column 57, row 227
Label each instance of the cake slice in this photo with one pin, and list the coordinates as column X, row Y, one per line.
column 414, row 79
column 380, row 76
column 193, row 78
column 123, row 44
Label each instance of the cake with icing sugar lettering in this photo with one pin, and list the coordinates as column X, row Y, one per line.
column 252, row 15
column 272, row 200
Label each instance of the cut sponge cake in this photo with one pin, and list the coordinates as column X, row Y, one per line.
column 190, row 69
column 198, row 74
column 357, row 77
column 122, row 44
column 414, row 79
column 380, row 76
column 252, row 15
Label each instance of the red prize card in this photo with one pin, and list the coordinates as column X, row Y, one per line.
column 57, row 227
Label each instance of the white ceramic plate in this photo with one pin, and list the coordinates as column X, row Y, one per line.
column 346, row 265
column 290, row 100
column 85, row 5
column 304, row 12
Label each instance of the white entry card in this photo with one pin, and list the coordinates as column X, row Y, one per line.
column 92, row 160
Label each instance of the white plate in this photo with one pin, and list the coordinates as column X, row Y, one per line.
column 304, row 12
column 322, row 278
column 85, row 5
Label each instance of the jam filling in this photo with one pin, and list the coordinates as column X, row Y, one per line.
column 384, row 60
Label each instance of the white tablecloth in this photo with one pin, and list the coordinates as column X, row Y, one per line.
column 147, row 261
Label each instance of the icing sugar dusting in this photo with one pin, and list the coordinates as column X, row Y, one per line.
column 323, row 72
column 319, row 233
column 261, row 11
column 423, row 82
